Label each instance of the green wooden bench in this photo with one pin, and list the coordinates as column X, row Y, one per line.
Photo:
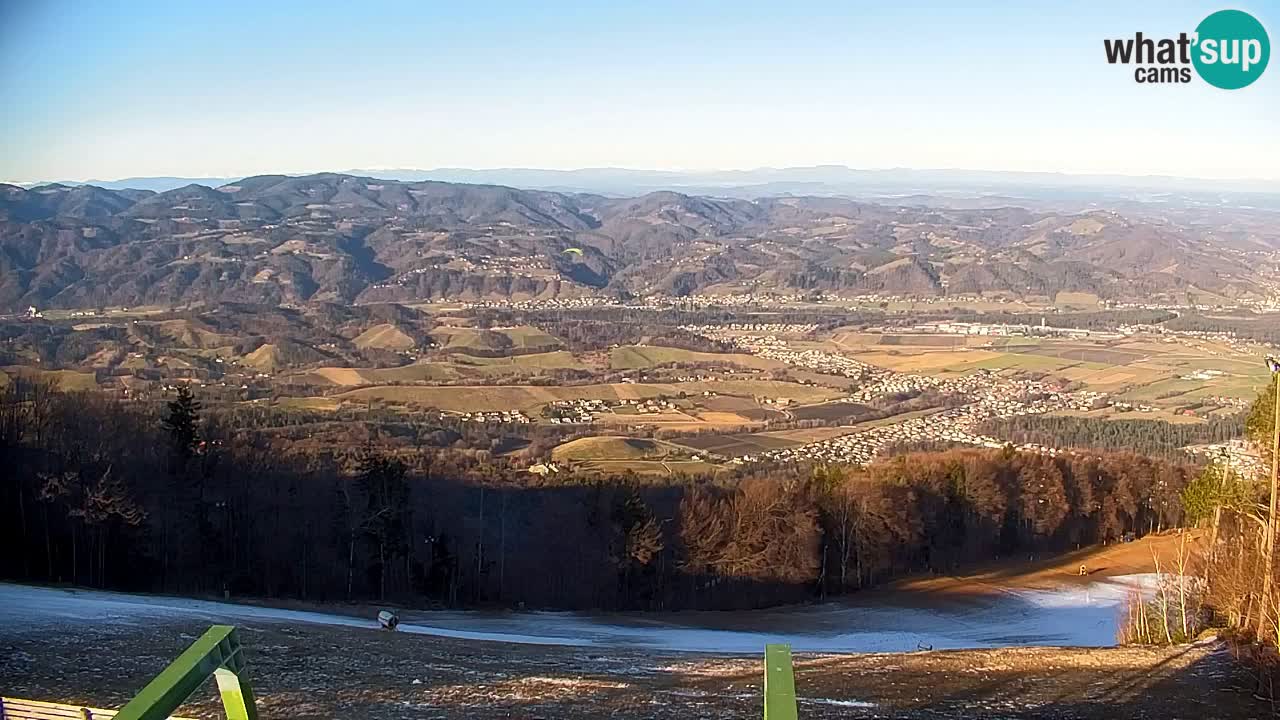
column 217, row 653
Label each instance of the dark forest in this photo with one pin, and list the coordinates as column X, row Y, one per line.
column 169, row 498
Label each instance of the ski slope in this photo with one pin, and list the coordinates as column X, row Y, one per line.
column 1081, row 616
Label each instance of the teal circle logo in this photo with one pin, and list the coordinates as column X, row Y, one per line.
column 1232, row 49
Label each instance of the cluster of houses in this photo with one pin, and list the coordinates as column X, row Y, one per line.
column 747, row 299
column 986, row 394
column 1237, row 454
column 579, row 411
column 583, row 411
column 875, row 299
column 1123, row 406
column 558, row 303
column 505, row 416
column 1203, row 375
column 990, row 396
column 773, row 347
column 1231, row 402
column 761, row 334
column 1009, row 330
column 651, row 406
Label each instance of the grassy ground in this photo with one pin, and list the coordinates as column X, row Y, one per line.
column 319, row 672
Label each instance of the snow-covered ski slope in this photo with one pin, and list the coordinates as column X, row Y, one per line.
column 1079, row 616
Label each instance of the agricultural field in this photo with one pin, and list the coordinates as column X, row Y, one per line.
column 1159, row 371
column 530, row 398
column 636, row 357
column 454, row 369
column 615, row 447
column 737, row 444
column 497, row 341
column 1075, row 301
column 650, row 467
column 555, row 360
column 618, row 454
column 384, row 336
column 831, row 411
column 68, row 380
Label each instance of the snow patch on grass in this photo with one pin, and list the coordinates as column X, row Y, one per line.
column 839, row 703
column 1076, row 616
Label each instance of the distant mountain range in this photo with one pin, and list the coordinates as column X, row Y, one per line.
column 826, row 180
column 349, row 239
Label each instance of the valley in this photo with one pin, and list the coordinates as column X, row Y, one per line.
column 834, row 384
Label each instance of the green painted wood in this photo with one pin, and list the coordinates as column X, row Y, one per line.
column 217, row 652
column 237, row 696
column 779, row 683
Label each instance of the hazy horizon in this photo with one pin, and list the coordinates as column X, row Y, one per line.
column 825, row 180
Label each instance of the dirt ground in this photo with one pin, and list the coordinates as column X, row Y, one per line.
column 331, row 672
column 1125, row 558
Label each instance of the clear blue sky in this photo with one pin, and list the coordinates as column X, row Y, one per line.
column 95, row 89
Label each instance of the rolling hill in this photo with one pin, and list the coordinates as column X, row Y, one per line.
column 342, row 240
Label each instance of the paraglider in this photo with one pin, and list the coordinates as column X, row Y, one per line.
column 573, row 251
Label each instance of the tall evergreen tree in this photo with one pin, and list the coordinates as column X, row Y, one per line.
column 183, row 423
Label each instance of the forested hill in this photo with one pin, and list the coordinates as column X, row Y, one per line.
column 116, row 495
column 340, row 238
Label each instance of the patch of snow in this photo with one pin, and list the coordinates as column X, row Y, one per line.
column 840, row 703
column 1084, row 616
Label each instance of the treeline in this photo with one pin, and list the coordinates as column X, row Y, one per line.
column 387, row 428
column 112, row 495
column 1241, row 584
column 1094, row 320
column 1149, row 437
column 1262, row 328
column 596, row 328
